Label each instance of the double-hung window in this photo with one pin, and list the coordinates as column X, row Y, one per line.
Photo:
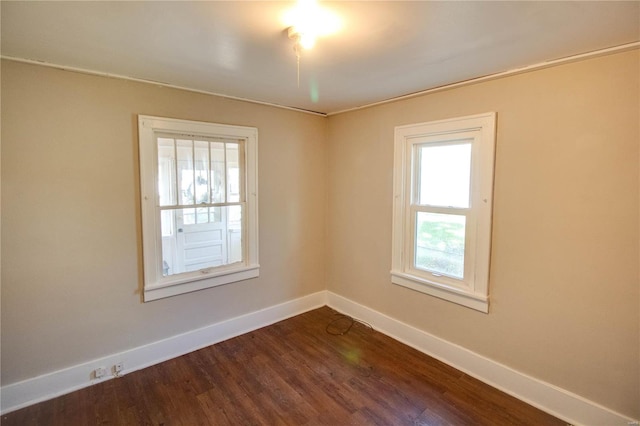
column 443, row 186
column 199, row 205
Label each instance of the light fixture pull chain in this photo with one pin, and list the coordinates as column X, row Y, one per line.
column 298, row 65
column 297, row 48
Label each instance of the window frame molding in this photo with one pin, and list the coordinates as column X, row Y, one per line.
column 473, row 291
column 157, row 286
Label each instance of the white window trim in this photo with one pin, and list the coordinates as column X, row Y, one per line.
column 474, row 291
column 157, row 286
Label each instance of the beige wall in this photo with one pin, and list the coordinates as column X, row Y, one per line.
column 564, row 286
column 71, row 268
column 565, row 297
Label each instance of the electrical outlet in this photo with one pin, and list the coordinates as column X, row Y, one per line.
column 117, row 368
column 99, row 372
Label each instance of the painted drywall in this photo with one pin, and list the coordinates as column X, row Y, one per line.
column 71, row 240
column 565, row 292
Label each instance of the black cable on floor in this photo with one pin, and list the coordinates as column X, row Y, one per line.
column 342, row 331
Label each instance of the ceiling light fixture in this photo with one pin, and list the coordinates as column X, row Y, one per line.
column 302, row 40
column 306, row 22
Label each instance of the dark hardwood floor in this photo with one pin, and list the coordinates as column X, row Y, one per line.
column 294, row 372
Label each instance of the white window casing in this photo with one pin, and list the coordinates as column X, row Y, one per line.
column 157, row 282
column 468, row 285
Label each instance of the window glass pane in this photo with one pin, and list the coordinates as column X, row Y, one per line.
column 185, row 171
column 234, row 214
column 201, row 150
column 215, row 214
column 196, row 242
column 218, row 178
column 440, row 240
column 444, row 175
column 202, row 215
column 167, row 224
column 187, row 216
column 166, row 172
column 233, row 173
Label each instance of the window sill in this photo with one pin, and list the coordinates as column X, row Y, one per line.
column 452, row 294
column 199, row 282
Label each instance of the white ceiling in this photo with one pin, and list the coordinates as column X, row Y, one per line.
column 240, row 48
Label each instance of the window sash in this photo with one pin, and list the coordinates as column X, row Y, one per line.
column 453, row 140
column 413, row 207
column 194, row 170
column 466, row 282
column 175, row 184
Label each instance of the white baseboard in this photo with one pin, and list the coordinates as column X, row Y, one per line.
column 47, row 386
column 558, row 402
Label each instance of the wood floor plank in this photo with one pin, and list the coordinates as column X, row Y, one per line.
column 317, row 368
